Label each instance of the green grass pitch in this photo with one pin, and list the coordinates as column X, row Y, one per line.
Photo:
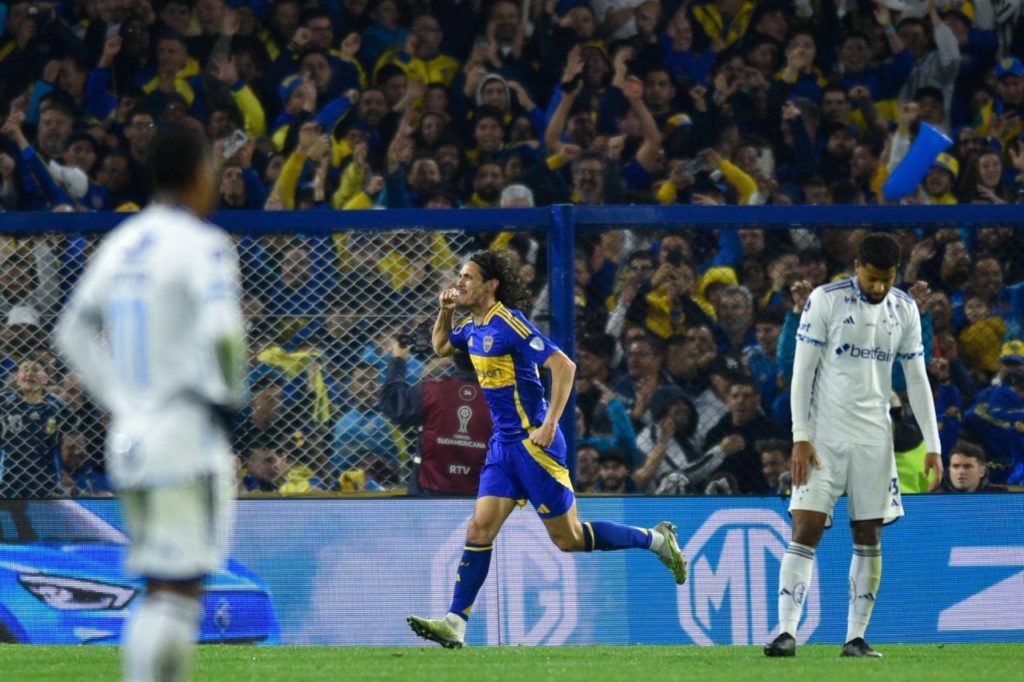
column 932, row 663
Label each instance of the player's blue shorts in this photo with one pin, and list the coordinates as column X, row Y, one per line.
column 524, row 471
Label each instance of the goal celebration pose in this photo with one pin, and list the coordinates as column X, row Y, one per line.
column 526, row 454
column 850, row 333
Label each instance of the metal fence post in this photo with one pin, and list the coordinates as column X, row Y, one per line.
column 561, row 268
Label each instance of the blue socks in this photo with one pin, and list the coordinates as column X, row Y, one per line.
column 476, row 559
column 606, row 535
column 473, row 567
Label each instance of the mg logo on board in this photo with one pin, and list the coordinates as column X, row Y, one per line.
column 537, row 598
column 730, row 596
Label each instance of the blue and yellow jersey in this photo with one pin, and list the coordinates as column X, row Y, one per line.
column 506, row 350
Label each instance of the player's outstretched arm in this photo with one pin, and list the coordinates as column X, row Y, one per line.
column 444, row 323
column 563, row 371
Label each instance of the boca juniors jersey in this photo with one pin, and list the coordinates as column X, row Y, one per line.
column 506, row 350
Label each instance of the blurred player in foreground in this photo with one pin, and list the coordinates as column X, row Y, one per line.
column 154, row 330
column 850, row 333
column 526, row 454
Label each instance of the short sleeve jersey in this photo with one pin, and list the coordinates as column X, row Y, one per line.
column 167, row 286
column 859, row 342
column 506, row 350
column 165, row 289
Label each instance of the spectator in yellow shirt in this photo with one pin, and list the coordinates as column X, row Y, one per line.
column 421, row 55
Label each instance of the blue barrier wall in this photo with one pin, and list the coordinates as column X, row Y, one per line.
column 349, row 571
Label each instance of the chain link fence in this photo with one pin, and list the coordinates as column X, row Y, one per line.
column 325, row 317
column 684, row 339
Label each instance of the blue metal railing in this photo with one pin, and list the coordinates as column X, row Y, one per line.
column 560, row 223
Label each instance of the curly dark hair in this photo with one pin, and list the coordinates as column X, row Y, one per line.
column 880, row 250
column 500, row 264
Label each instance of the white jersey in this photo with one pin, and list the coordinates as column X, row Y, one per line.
column 142, row 330
column 858, row 343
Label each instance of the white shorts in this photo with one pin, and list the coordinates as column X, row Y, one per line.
column 866, row 473
column 182, row 531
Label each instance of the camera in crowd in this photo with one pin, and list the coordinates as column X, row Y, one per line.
column 418, row 340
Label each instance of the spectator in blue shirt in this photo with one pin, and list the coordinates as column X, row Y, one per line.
column 361, row 429
column 996, row 418
column 761, row 358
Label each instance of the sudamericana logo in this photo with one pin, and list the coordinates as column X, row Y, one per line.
column 535, row 595
column 730, row 596
column 854, row 351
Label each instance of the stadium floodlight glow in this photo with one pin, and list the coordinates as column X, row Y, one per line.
column 73, row 594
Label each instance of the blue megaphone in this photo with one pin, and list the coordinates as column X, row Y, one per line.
column 905, row 178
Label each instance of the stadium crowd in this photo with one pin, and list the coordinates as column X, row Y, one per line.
column 685, row 337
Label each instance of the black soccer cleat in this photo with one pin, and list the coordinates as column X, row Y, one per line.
column 857, row 647
column 782, row 646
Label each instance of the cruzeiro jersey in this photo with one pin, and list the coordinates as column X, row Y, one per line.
column 859, row 341
column 30, row 436
column 163, row 289
column 506, row 351
column 167, row 286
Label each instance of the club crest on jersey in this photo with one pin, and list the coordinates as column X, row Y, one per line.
column 51, row 426
column 488, row 343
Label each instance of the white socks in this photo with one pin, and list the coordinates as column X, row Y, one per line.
column 865, row 575
column 159, row 639
column 657, row 540
column 456, row 623
column 794, row 578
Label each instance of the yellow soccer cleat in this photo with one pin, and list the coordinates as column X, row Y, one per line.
column 436, row 631
column 670, row 554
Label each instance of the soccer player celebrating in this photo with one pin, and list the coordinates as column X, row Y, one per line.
column 154, row 330
column 526, row 454
column 850, row 333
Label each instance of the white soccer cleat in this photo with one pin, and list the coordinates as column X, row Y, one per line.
column 436, row 631
column 670, row 554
